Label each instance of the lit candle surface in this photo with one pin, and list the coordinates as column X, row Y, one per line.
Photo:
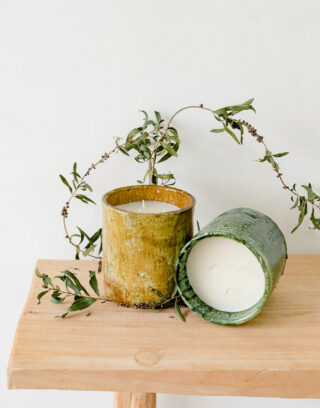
column 225, row 274
column 147, row 206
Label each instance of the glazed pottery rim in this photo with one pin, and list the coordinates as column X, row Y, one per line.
column 148, row 186
column 219, row 316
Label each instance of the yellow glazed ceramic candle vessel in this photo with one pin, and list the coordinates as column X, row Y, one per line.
column 140, row 249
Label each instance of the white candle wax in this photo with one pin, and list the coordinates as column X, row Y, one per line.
column 225, row 274
column 147, row 206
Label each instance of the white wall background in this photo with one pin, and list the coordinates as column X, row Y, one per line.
column 73, row 74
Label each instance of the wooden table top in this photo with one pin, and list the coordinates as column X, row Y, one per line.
column 118, row 349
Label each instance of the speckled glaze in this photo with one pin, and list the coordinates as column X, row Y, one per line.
column 264, row 239
column 140, row 250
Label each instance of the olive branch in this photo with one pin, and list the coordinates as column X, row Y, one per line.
column 153, row 143
column 82, row 298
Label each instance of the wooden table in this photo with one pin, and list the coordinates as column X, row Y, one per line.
column 138, row 353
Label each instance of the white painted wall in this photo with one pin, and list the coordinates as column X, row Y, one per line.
column 73, row 74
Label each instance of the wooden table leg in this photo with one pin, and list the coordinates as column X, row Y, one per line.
column 134, row 400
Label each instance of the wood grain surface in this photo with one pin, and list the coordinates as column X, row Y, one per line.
column 134, row 400
column 277, row 354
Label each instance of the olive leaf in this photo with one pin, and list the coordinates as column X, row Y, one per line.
column 64, row 181
column 231, row 133
column 234, row 109
column 295, row 205
column 85, row 186
column 75, row 174
column 179, row 313
column 89, row 250
column 41, row 294
column 158, row 116
column 83, row 234
column 55, row 298
column 47, row 281
column 169, row 149
column 161, row 295
column 133, row 133
column 217, row 130
column 81, row 304
column 303, row 209
column 280, row 154
column 69, row 284
column 63, row 316
column 312, row 196
column 269, row 157
column 315, row 221
column 37, row 273
column 93, row 282
column 84, row 199
column 76, row 281
column 124, row 151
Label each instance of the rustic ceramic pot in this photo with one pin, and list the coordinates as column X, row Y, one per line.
column 261, row 235
column 140, row 249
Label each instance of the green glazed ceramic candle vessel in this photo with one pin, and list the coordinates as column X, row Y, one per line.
column 261, row 235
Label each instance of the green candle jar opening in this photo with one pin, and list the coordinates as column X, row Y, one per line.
column 261, row 236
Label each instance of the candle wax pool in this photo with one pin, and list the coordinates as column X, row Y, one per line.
column 147, row 206
column 225, row 274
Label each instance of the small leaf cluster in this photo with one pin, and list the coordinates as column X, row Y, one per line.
column 270, row 158
column 72, row 288
column 77, row 183
column 229, row 125
column 90, row 243
column 302, row 204
column 151, row 141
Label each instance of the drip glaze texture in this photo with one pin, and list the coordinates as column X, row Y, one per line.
column 261, row 235
column 140, row 249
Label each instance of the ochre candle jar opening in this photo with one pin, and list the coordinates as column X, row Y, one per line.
column 140, row 249
column 169, row 195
